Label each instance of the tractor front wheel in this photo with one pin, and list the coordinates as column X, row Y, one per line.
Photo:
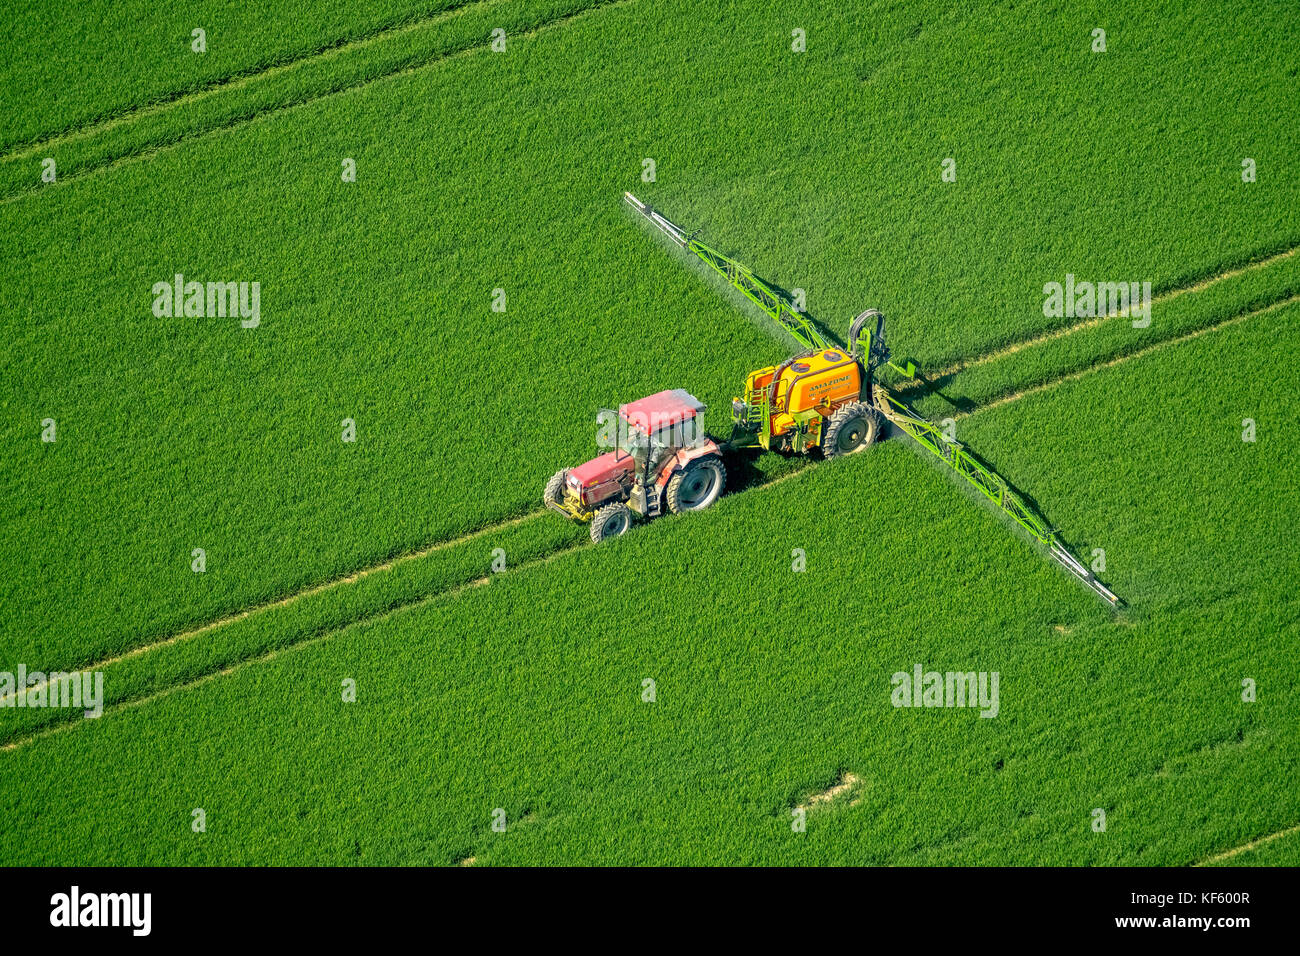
column 610, row 522
column 696, row 486
column 852, row 428
column 554, row 492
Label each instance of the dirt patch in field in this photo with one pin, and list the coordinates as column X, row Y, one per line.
column 848, row 785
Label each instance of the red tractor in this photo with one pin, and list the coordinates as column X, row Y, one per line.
column 661, row 460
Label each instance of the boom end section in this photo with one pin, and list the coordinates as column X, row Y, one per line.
column 666, row 226
column 1075, row 567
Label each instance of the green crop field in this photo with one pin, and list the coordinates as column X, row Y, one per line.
column 304, row 544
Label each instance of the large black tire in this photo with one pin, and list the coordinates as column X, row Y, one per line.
column 554, row 492
column 696, row 486
column 610, row 522
column 852, row 428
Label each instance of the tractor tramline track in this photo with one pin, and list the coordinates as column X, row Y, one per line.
column 758, row 414
column 926, row 434
column 823, row 398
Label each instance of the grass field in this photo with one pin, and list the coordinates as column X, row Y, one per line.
column 522, row 690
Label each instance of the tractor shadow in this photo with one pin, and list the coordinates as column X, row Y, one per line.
column 744, row 473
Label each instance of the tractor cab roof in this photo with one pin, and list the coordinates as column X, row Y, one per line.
column 661, row 410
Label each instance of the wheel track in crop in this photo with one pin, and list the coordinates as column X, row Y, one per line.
column 271, row 654
column 1014, row 396
column 1199, row 285
column 379, row 33
column 148, row 150
column 1257, row 842
column 510, row 522
column 288, row 599
column 501, row 525
column 24, row 738
column 452, row 592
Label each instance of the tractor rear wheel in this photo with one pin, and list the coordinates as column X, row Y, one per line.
column 852, row 428
column 696, row 486
column 554, row 492
column 610, row 522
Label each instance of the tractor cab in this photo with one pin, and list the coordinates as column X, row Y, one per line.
column 661, row 459
column 662, row 423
